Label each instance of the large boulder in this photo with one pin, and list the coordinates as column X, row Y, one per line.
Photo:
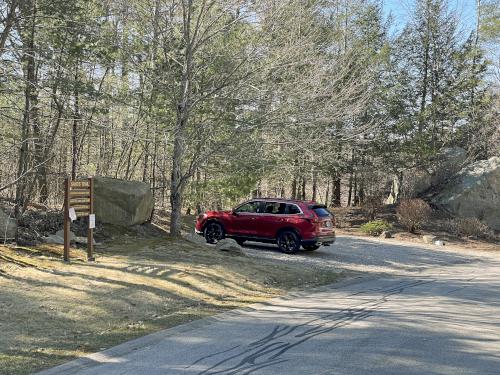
column 123, row 203
column 446, row 164
column 474, row 192
column 419, row 180
column 196, row 239
column 8, row 226
column 229, row 245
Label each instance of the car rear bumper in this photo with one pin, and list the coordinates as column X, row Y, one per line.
column 320, row 240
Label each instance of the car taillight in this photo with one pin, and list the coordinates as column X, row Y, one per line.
column 317, row 225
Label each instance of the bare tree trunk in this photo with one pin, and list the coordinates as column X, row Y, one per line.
column 314, row 185
column 30, row 108
column 294, row 188
column 9, row 22
column 176, row 184
column 349, row 197
column 304, row 182
column 327, row 192
column 355, row 190
column 425, row 72
column 74, row 132
column 336, row 191
column 177, row 181
column 198, row 192
column 361, row 195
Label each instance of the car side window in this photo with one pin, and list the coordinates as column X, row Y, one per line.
column 250, row 207
column 271, row 207
column 292, row 209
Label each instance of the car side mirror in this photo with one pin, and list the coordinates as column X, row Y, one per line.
column 234, row 213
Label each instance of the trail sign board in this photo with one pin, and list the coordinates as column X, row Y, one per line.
column 79, row 202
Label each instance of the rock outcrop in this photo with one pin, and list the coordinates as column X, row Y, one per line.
column 416, row 181
column 474, row 192
column 123, row 203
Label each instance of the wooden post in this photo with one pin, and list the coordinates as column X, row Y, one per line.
column 66, row 219
column 90, row 233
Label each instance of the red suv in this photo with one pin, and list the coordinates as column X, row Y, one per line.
column 289, row 223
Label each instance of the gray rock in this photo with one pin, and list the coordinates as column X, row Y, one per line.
column 429, row 239
column 60, row 233
column 82, row 240
column 474, row 192
column 195, row 238
column 419, row 180
column 386, row 234
column 229, row 245
column 53, row 239
column 123, row 203
column 58, row 238
column 8, row 226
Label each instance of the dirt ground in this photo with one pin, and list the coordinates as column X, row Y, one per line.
column 52, row 312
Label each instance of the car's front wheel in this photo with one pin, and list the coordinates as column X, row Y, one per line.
column 310, row 247
column 288, row 242
column 213, row 232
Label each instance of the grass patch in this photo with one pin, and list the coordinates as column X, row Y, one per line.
column 52, row 312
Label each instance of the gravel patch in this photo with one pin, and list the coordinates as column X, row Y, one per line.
column 372, row 256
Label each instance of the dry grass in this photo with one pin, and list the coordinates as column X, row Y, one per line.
column 52, row 312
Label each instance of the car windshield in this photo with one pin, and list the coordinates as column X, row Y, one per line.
column 321, row 211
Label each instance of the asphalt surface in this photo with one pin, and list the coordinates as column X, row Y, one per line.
column 411, row 310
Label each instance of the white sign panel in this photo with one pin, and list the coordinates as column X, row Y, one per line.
column 72, row 214
column 91, row 221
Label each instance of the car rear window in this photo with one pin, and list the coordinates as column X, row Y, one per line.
column 321, row 211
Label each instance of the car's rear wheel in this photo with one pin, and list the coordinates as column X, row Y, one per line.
column 310, row 247
column 288, row 242
column 213, row 233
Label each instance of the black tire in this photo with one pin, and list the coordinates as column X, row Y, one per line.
column 213, row 232
column 288, row 241
column 311, row 247
column 240, row 242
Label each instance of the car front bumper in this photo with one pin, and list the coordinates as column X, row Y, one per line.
column 199, row 232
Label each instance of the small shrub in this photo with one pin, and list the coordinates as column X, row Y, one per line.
column 469, row 227
column 375, row 227
column 372, row 206
column 412, row 213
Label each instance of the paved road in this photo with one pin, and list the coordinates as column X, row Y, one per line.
column 413, row 311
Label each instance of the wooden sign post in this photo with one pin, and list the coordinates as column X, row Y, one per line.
column 79, row 202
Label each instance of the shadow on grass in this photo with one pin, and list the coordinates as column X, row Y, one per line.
column 54, row 313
